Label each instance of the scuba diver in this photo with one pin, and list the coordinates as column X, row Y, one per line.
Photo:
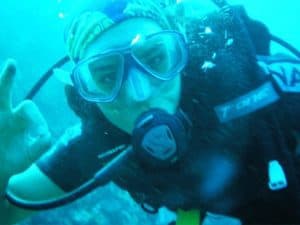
column 189, row 113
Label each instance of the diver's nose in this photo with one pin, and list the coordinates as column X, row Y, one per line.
column 138, row 86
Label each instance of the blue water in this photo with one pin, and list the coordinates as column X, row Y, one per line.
column 32, row 33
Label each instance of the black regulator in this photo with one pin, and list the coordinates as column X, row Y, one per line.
column 160, row 139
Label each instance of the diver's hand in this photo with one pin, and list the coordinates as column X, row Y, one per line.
column 24, row 133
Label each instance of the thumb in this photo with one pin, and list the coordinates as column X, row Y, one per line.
column 39, row 146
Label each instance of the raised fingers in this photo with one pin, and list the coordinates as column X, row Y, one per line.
column 6, row 82
column 29, row 117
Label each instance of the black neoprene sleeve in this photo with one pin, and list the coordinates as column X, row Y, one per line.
column 71, row 165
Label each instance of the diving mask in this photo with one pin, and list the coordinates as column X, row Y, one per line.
column 100, row 77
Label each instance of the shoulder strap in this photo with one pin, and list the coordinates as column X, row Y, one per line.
column 248, row 103
column 284, row 71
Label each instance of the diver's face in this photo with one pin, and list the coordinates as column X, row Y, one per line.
column 139, row 91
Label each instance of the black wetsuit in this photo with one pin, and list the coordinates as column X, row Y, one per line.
column 225, row 169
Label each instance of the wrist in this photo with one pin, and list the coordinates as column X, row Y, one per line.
column 3, row 184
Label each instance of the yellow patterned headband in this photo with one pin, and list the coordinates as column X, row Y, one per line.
column 87, row 27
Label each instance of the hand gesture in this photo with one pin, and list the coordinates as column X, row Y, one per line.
column 24, row 133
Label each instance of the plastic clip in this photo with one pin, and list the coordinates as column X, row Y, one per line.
column 277, row 179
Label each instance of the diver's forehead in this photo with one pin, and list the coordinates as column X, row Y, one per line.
column 122, row 34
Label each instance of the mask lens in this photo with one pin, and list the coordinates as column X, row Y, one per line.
column 163, row 54
column 100, row 77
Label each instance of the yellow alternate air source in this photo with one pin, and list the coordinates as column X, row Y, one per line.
column 191, row 217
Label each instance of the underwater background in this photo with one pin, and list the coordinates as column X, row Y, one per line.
column 32, row 32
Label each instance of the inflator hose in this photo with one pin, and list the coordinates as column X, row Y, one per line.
column 45, row 77
column 286, row 45
column 102, row 177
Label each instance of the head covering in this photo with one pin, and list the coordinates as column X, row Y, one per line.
column 105, row 13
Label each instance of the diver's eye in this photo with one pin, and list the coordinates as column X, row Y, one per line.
column 104, row 68
column 157, row 57
column 154, row 57
column 107, row 79
column 104, row 77
column 104, row 71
